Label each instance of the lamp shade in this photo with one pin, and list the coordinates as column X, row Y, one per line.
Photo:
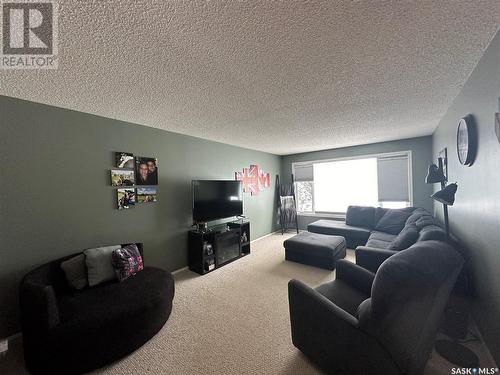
column 446, row 195
column 434, row 175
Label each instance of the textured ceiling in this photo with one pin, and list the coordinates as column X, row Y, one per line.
column 276, row 76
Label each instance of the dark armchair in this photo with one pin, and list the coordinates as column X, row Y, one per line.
column 383, row 323
column 68, row 331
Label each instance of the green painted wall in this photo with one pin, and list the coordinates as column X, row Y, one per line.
column 56, row 198
column 475, row 216
column 421, row 157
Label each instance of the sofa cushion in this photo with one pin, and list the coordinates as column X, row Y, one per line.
column 99, row 264
column 380, row 240
column 378, row 244
column 393, row 221
column 424, row 221
column 379, row 214
column 382, row 236
column 407, row 237
column 75, row 272
column 352, row 234
column 432, row 232
column 361, row 216
column 127, row 261
column 417, row 214
column 102, row 305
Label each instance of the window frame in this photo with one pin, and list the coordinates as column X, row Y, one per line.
column 407, row 153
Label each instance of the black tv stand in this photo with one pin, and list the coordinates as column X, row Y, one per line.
column 218, row 246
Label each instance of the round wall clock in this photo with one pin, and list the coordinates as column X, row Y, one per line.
column 466, row 141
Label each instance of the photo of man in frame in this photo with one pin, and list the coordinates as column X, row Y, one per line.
column 146, row 171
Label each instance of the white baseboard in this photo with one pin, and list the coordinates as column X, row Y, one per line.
column 4, row 347
column 179, row 270
column 267, row 235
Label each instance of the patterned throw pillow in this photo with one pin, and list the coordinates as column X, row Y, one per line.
column 127, row 261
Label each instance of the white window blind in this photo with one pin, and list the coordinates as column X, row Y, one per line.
column 303, row 172
column 393, row 179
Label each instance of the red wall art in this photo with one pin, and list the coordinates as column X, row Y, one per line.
column 254, row 179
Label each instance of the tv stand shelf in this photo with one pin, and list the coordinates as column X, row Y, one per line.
column 218, row 246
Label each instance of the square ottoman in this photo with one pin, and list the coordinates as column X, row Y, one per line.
column 314, row 249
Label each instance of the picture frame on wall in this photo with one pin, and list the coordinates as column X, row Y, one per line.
column 126, row 198
column 146, row 194
column 147, row 170
column 124, row 160
column 121, row 177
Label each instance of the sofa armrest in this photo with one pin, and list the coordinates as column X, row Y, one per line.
column 39, row 308
column 312, row 315
column 331, row 337
column 355, row 275
column 371, row 258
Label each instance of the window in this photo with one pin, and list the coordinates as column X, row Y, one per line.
column 303, row 175
column 338, row 184
column 395, row 204
column 330, row 186
column 304, row 193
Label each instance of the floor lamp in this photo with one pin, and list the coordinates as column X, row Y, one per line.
column 451, row 350
column 446, row 195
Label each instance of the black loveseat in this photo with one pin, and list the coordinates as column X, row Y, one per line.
column 67, row 331
column 384, row 323
column 378, row 233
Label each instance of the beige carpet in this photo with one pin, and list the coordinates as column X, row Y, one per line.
column 232, row 321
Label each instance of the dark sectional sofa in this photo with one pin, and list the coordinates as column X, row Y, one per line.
column 377, row 233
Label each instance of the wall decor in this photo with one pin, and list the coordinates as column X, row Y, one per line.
column 443, row 154
column 124, row 160
column 497, row 121
column 146, row 194
column 147, row 170
column 120, row 177
column 253, row 179
column 466, row 141
column 125, row 198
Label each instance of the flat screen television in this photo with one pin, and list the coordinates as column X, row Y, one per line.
column 216, row 199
